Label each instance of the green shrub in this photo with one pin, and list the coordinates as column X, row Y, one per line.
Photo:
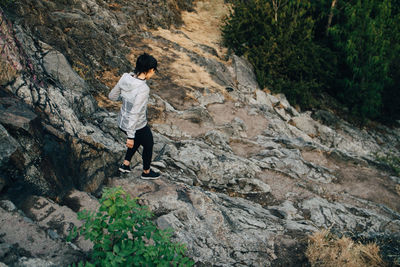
column 349, row 49
column 124, row 235
column 390, row 160
column 362, row 37
column 279, row 44
column 4, row 3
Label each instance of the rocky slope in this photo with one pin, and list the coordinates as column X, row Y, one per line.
column 246, row 176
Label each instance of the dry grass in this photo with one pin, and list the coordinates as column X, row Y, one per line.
column 192, row 75
column 203, row 26
column 109, row 78
column 7, row 72
column 327, row 250
column 200, row 27
column 104, row 102
column 185, row 72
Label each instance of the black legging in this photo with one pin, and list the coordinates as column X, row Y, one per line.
column 143, row 137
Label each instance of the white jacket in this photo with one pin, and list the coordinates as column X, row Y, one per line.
column 134, row 93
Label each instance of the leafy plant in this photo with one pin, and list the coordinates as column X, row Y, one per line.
column 391, row 160
column 124, row 234
column 362, row 36
column 277, row 39
column 4, row 3
column 348, row 49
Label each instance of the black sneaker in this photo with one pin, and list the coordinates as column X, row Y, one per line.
column 124, row 168
column 151, row 175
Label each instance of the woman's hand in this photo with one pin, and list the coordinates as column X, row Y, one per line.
column 129, row 143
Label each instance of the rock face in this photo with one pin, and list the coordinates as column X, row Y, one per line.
column 56, row 129
column 219, row 230
column 8, row 147
column 24, row 241
column 246, row 177
column 93, row 34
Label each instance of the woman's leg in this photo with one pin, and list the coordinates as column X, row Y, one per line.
column 147, row 142
column 130, row 152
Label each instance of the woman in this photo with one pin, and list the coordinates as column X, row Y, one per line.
column 132, row 120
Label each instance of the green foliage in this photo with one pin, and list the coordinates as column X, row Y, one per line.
column 391, row 94
column 279, row 44
column 124, row 235
column 350, row 50
column 5, row 3
column 81, row 264
column 362, row 37
column 391, row 160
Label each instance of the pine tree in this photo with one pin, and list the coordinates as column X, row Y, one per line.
column 349, row 49
column 361, row 35
column 277, row 38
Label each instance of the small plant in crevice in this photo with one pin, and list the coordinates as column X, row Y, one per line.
column 124, row 234
column 390, row 160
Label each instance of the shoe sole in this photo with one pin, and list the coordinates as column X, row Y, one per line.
column 150, row 178
column 122, row 170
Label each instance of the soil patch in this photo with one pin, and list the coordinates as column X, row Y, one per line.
column 244, row 149
column 319, row 158
column 364, row 182
column 283, row 187
column 203, row 26
column 226, row 112
column 188, row 127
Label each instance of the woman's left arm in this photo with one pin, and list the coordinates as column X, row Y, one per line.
column 115, row 93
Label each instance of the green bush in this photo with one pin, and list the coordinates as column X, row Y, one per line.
column 302, row 48
column 4, row 3
column 124, row 235
column 362, row 37
column 391, row 93
column 279, row 44
column 391, row 160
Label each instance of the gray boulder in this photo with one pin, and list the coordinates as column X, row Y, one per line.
column 8, row 145
column 210, row 166
column 245, row 76
column 57, row 220
column 24, row 234
column 346, row 217
column 37, row 262
column 217, row 139
column 197, row 115
column 16, row 114
column 8, row 205
column 218, row 230
column 74, row 88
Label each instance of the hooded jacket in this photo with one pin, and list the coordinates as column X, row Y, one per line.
column 134, row 93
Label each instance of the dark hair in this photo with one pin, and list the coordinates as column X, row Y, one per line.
column 144, row 63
